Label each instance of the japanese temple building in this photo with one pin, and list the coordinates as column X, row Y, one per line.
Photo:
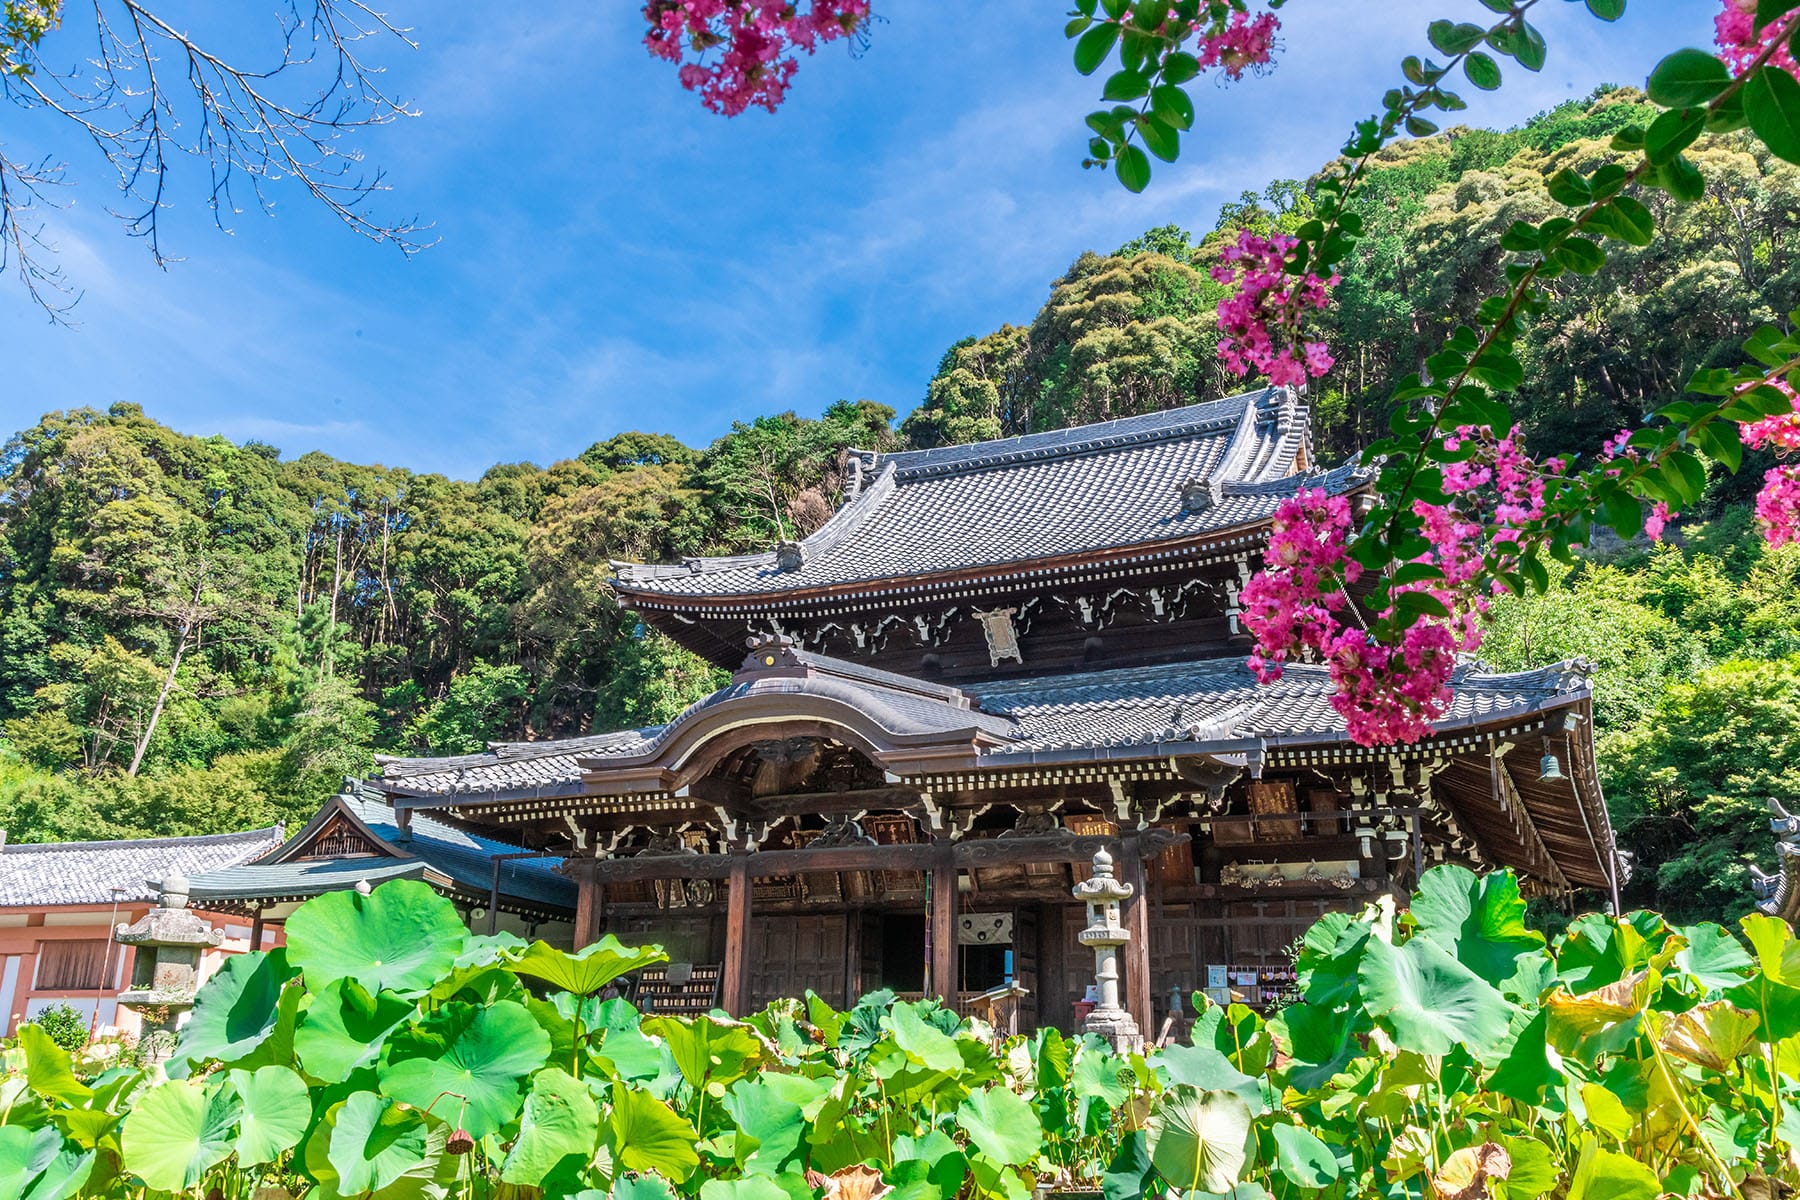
column 993, row 660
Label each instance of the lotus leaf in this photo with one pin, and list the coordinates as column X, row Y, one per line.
column 372, row 1146
column 481, row 1054
column 641, row 1187
column 1200, row 1141
column 277, row 1109
column 647, row 1136
column 774, row 1111
column 400, row 937
column 178, row 1131
column 925, row 1044
column 1480, row 920
column 48, row 1069
column 1713, row 957
column 1306, row 1161
column 1608, row 1175
column 344, row 1028
column 750, row 1187
column 1001, row 1126
column 1429, row 1002
column 589, row 969
column 238, row 1009
column 1711, row 1034
column 34, row 1164
column 708, row 1050
column 557, row 1134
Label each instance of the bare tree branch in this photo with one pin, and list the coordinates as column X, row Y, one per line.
column 151, row 93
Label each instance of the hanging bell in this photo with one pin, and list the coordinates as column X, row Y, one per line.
column 1549, row 768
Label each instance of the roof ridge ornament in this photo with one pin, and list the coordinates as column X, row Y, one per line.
column 790, row 556
column 771, row 652
column 1201, row 495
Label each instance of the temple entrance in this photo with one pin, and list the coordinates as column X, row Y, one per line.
column 901, row 962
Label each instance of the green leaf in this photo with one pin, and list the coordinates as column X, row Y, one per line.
column 371, row 1146
column 1625, row 219
column 482, row 1054
column 1172, row 106
column 277, row 1110
column 1126, row 85
column 1133, row 167
column 1160, row 139
column 238, row 1008
column 751, row 1187
column 1772, row 104
column 708, row 1050
column 48, row 1069
column 1455, row 38
column 1607, row 1175
column 649, row 1137
column 1207, row 1069
column 1429, row 1002
column 1606, row 10
column 1306, row 1161
column 1482, row 70
column 1128, row 1174
column 1713, row 957
column 1200, row 1141
column 775, row 1110
column 1093, row 47
column 1687, row 79
column 177, row 1132
column 1673, row 132
column 557, row 1133
column 1001, row 1125
column 344, row 1028
column 402, row 937
column 588, row 970
column 35, row 1165
column 1481, row 921
column 1180, row 67
column 1581, row 256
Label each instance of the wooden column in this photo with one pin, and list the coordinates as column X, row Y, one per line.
column 940, row 931
column 1135, row 955
column 256, row 930
column 590, row 904
column 736, row 996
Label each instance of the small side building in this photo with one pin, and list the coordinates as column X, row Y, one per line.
column 59, row 903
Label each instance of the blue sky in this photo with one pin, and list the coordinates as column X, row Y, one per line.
column 613, row 257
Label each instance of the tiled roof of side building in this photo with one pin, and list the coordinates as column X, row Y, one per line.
column 1115, row 484
column 58, row 873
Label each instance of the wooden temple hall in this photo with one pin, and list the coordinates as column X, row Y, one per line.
column 992, row 661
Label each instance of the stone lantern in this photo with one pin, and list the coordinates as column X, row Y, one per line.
column 1106, row 933
column 166, row 974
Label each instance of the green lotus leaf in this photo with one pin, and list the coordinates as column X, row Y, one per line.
column 36, row 1165
column 1318, row 1041
column 708, row 1050
column 277, row 1109
column 624, row 1047
column 480, row 1055
column 344, row 1028
column 930, row 1158
column 1524, row 1070
column 774, row 1110
column 238, row 1008
column 1430, row 1002
column 1607, row 1175
column 923, row 1043
column 48, row 1069
column 1205, row 1069
column 487, row 949
column 1200, row 1141
column 1001, row 1125
column 1128, row 1175
column 1306, row 1161
column 178, row 1131
column 647, row 1136
column 589, row 969
column 638, row 1187
column 1099, row 1074
column 1713, row 957
column 557, row 1134
column 1480, row 920
column 401, row 937
column 372, row 1147
column 750, row 1187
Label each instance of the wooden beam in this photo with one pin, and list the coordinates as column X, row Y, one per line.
column 736, row 998
column 590, row 904
column 1135, row 954
column 941, row 927
column 976, row 852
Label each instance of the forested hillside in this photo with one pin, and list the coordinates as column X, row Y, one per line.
column 197, row 635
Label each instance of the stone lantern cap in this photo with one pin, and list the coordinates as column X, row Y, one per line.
column 170, row 923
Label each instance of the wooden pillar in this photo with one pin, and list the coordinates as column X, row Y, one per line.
column 737, row 937
column 590, row 904
column 256, row 930
column 940, row 930
column 1135, row 954
column 1053, row 999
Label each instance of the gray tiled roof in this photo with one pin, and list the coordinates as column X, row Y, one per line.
column 1216, row 699
column 1221, row 699
column 54, row 873
column 465, row 857
column 1114, row 484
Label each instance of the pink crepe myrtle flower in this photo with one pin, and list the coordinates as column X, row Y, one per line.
column 1263, row 318
column 737, row 54
column 1741, row 43
column 1778, row 504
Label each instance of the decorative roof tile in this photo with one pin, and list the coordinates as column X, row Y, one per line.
column 1097, row 487
column 57, row 873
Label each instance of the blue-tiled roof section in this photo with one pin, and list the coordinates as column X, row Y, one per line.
column 1220, row 699
column 54, row 873
column 1098, row 487
column 465, row 857
column 293, row 880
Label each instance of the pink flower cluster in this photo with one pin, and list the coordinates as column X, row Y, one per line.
column 1299, row 605
column 1263, row 319
column 1740, row 43
column 756, row 42
column 1244, row 42
column 1778, row 504
column 1618, row 446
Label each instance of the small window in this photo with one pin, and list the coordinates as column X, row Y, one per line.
column 75, row 966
